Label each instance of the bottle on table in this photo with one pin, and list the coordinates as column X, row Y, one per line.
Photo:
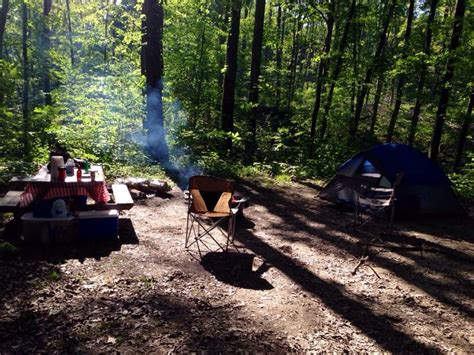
column 70, row 167
column 87, row 166
column 79, row 174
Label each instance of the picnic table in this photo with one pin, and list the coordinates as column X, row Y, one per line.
column 40, row 187
column 25, row 190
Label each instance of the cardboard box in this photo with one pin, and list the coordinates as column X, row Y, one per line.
column 98, row 225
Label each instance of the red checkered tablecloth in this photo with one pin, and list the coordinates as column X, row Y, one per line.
column 97, row 190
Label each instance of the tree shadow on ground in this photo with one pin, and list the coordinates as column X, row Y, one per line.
column 18, row 279
column 130, row 315
column 376, row 326
column 331, row 228
column 236, row 269
column 326, row 226
column 312, row 185
column 455, row 228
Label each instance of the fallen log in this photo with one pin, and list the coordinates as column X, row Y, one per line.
column 146, row 186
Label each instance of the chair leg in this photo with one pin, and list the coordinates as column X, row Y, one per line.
column 188, row 232
column 392, row 216
column 199, row 231
column 230, row 236
column 207, row 231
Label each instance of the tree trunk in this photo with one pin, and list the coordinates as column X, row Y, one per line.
column 152, row 68
column 337, row 69
column 308, row 54
column 375, row 107
column 222, row 40
column 448, row 76
column 438, row 67
column 293, row 62
column 401, row 78
column 423, row 69
column 231, row 73
column 279, row 53
column 26, row 84
column 199, row 73
column 46, row 47
column 464, row 131
column 3, row 22
column 368, row 76
column 69, row 28
column 106, row 31
column 322, row 70
column 255, row 74
column 355, row 67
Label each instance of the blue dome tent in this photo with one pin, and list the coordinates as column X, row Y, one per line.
column 424, row 189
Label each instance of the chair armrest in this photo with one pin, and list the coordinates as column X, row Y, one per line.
column 236, row 205
column 234, row 211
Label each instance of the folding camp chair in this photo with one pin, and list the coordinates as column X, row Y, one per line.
column 209, row 208
column 377, row 201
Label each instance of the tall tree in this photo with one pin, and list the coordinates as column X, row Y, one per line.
column 438, row 66
column 423, row 69
column 106, row 30
column 3, row 22
column 293, row 60
column 401, row 77
column 464, row 131
column 152, row 68
column 375, row 106
column 26, row 80
column 337, row 68
column 69, row 29
column 224, row 10
column 255, row 74
column 368, row 75
column 279, row 52
column 448, row 76
column 47, row 4
column 322, row 68
column 228, row 98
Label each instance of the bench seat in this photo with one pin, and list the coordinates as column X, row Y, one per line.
column 122, row 196
column 10, row 202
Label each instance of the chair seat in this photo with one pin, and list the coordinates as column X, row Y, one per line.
column 212, row 214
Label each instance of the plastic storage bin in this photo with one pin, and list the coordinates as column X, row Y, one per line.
column 98, row 225
column 48, row 230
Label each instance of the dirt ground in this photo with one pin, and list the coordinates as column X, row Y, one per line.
column 288, row 284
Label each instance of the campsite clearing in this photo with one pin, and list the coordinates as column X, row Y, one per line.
column 154, row 296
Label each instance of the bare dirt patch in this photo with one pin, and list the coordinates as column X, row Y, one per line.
column 146, row 293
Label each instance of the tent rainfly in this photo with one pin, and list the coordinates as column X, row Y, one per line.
column 424, row 190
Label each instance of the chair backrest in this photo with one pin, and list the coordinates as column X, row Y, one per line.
column 379, row 196
column 210, row 193
column 375, row 196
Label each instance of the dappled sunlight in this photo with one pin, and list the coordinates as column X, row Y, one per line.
column 330, row 240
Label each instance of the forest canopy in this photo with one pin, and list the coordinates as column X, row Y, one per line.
column 286, row 88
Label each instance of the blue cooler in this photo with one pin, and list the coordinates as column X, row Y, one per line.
column 98, row 225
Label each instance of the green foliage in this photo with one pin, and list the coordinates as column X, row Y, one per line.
column 7, row 250
column 55, row 275
column 464, row 182
column 98, row 98
column 147, row 171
